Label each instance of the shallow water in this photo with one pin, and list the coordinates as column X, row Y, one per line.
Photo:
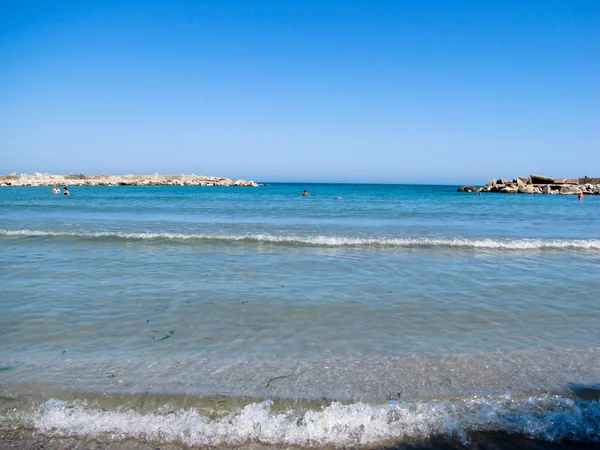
column 358, row 293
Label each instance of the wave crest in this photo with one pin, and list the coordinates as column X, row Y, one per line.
column 326, row 241
column 547, row 418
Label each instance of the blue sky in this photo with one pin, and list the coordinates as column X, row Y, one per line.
column 351, row 91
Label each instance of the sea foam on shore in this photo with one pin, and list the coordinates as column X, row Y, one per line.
column 454, row 422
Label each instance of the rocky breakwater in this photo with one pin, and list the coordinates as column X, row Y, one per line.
column 538, row 184
column 39, row 179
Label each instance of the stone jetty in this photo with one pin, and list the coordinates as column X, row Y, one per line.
column 538, row 184
column 45, row 179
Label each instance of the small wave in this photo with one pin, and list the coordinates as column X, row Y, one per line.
column 327, row 241
column 549, row 418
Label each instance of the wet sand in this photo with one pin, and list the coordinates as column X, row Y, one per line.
column 30, row 440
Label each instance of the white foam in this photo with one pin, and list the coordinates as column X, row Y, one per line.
column 549, row 418
column 332, row 241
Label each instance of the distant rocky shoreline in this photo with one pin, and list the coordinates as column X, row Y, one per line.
column 39, row 179
column 538, row 184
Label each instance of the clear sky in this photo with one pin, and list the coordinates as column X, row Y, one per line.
column 394, row 91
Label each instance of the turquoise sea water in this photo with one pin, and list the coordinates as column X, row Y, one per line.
column 370, row 314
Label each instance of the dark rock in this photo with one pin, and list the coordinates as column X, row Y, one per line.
column 467, row 189
column 539, row 179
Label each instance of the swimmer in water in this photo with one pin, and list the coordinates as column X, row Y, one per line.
column 66, row 191
column 305, row 193
column 56, row 190
column 580, row 196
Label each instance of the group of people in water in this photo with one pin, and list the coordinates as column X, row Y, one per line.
column 56, row 190
column 305, row 193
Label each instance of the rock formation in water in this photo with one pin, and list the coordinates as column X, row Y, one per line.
column 39, row 179
column 538, row 184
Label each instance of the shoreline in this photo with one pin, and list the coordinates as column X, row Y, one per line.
column 39, row 179
column 497, row 422
column 28, row 439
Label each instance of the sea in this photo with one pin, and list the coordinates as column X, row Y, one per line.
column 361, row 316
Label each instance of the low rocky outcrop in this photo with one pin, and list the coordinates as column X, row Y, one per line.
column 467, row 189
column 538, row 184
column 39, row 179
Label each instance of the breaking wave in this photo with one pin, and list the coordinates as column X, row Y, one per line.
column 325, row 241
column 548, row 418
